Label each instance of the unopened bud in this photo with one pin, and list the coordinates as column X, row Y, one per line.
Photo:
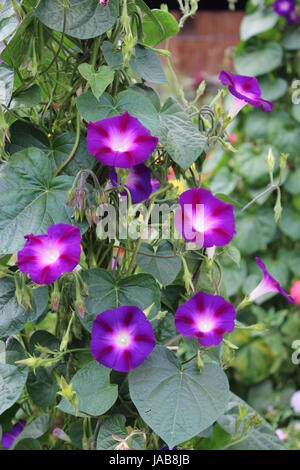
column 32, row 362
column 28, row 297
column 55, row 298
column 60, row 434
column 271, row 161
column 80, row 308
column 278, row 207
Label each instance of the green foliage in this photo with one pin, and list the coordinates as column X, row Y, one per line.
column 177, row 402
column 106, row 292
column 13, row 315
column 12, row 376
column 96, row 394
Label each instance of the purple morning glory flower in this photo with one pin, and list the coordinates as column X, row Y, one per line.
column 268, row 284
column 138, row 182
column 283, row 7
column 245, row 90
column 9, row 437
column 46, row 257
column 120, row 141
column 293, row 17
column 122, row 338
column 204, row 219
column 295, row 402
column 206, row 317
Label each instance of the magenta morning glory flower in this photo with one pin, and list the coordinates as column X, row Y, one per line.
column 46, row 257
column 120, row 141
column 245, row 90
column 122, row 338
column 267, row 285
column 138, row 182
column 8, row 438
column 204, row 219
column 295, row 402
column 283, row 7
column 206, row 317
column 293, row 17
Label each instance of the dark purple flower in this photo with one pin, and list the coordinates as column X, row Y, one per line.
column 293, row 17
column 120, row 141
column 267, row 285
column 283, row 7
column 104, row 3
column 155, row 184
column 138, row 182
column 245, row 90
column 206, row 317
column 46, row 257
column 9, row 437
column 122, row 338
column 204, row 219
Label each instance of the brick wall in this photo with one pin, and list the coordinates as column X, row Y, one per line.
column 205, row 44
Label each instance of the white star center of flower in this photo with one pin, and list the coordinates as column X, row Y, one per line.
column 285, row 6
column 123, row 339
column 205, row 325
column 121, row 142
column 51, row 255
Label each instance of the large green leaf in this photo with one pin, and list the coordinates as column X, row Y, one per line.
column 42, row 384
column 133, row 101
column 292, row 183
column 233, row 276
column 291, row 40
column 116, row 425
column 27, row 98
column 42, row 387
column 154, row 32
column 106, row 292
column 96, row 394
column 30, row 198
column 262, row 437
column 147, row 64
column 6, row 83
column 12, row 377
column 84, row 20
column 58, row 148
column 176, row 402
column 8, row 19
column 99, row 79
column 255, row 231
column 160, row 262
column 255, row 61
column 13, row 316
column 179, row 136
column 113, row 57
column 258, row 22
column 290, row 223
column 273, row 89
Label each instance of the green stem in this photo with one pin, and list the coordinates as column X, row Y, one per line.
column 95, row 51
column 266, row 191
column 73, row 151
